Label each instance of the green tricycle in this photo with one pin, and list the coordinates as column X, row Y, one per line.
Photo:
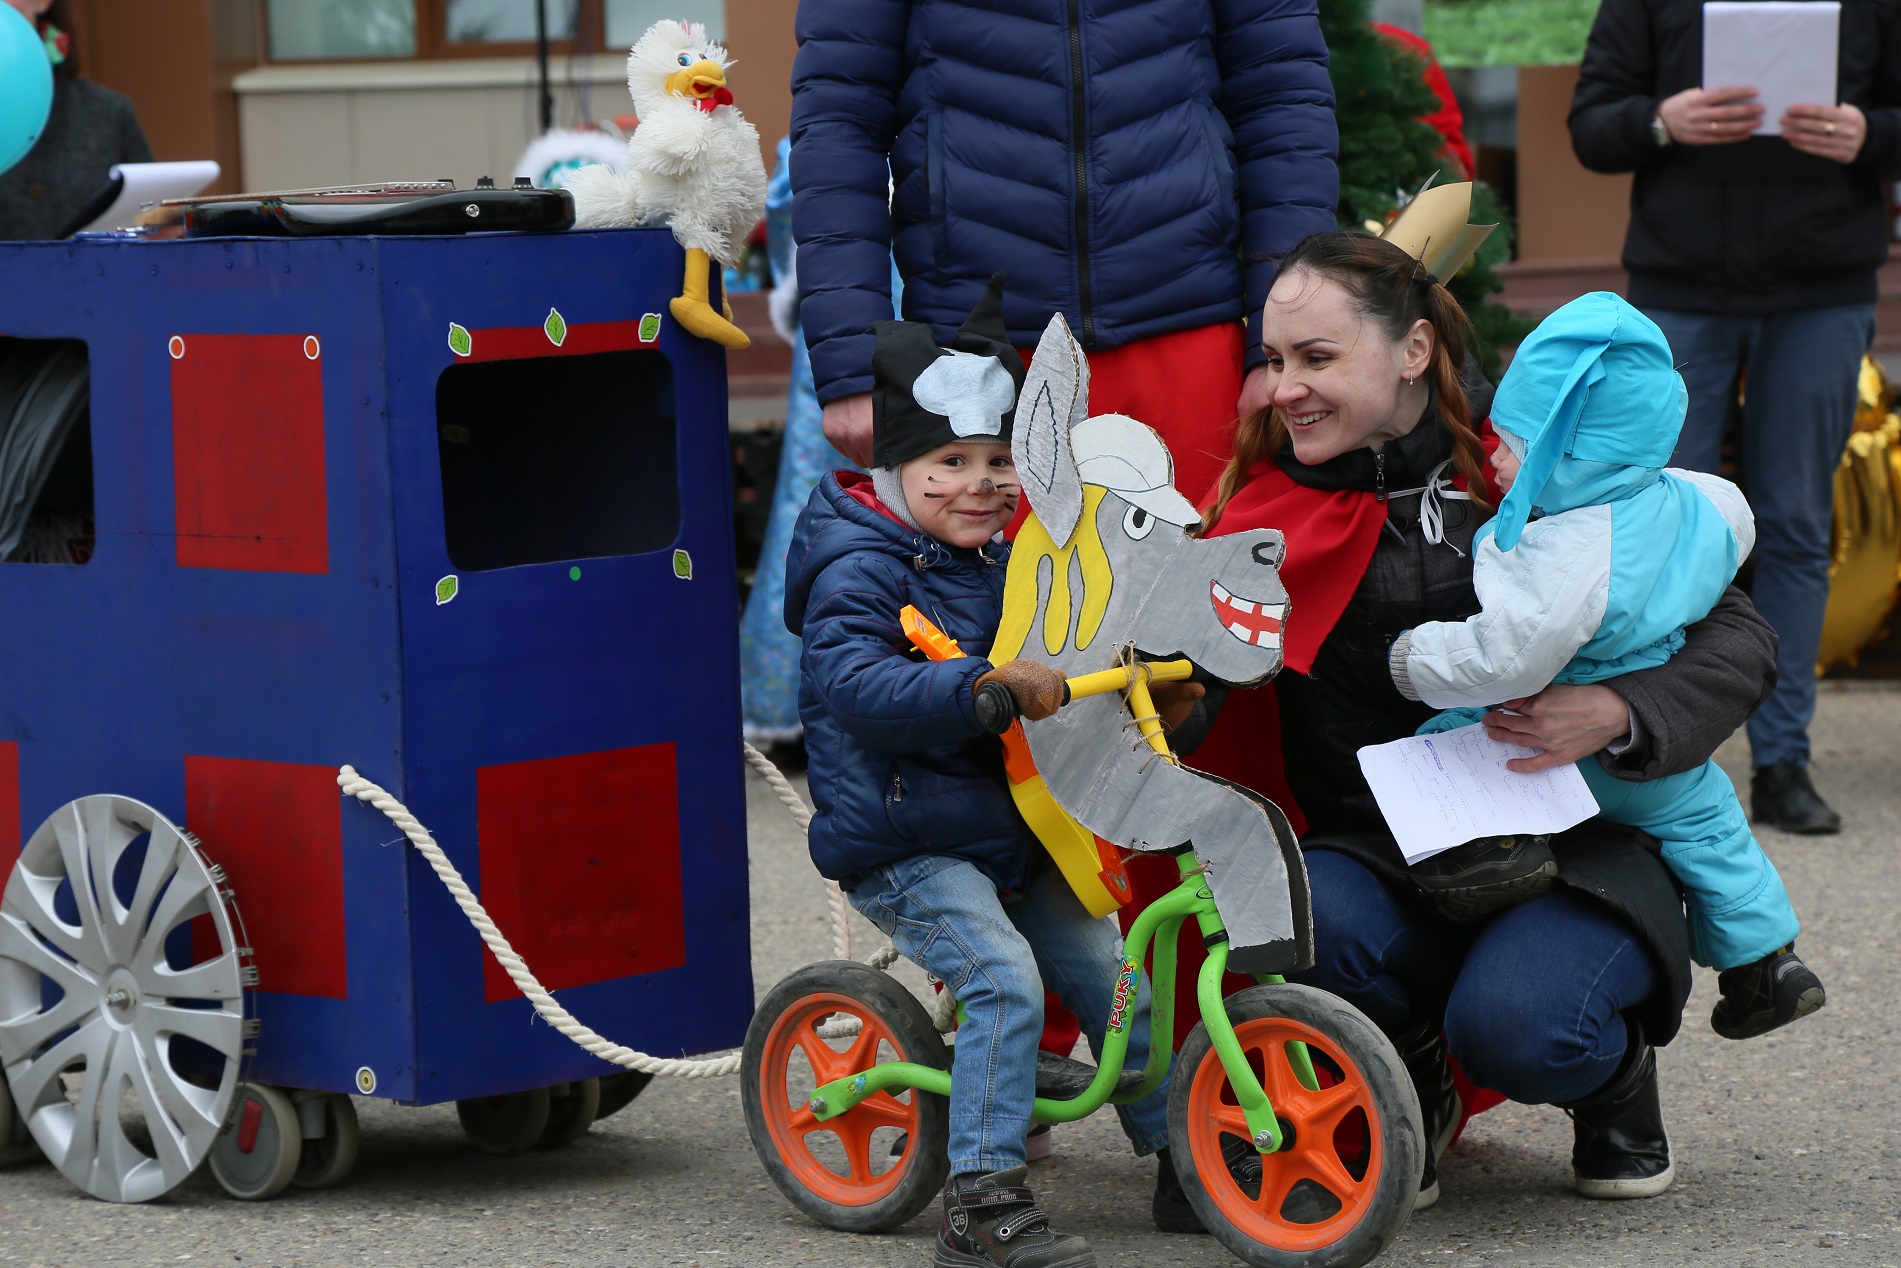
column 845, row 1081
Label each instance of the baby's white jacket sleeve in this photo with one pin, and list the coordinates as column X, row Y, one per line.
column 1540, row 602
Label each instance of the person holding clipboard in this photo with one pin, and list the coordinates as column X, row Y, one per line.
column 1763, row 137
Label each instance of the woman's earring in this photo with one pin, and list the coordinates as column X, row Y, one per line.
column 1409, row 380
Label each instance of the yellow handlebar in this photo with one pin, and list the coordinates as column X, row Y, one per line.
column 1118, row 679
column 1135, row 680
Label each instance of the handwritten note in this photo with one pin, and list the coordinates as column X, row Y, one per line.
column 1438, row 791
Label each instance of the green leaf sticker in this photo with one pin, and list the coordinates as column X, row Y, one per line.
column 459, row 341
column 446, row 589
column 682, row 565
column 556, row 327
column 650, row 327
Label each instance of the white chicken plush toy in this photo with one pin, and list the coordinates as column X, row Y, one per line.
column 693, row 163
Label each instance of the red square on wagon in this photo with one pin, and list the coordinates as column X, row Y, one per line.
column 277, row 830
column 247, row 452
column 581, row 865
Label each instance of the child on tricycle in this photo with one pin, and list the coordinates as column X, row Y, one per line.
column 1301, row 1130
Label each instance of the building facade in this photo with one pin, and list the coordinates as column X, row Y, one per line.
column 288, row 94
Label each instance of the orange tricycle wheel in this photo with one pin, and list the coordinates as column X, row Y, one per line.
column 1343, row 1182
column 879, row 1164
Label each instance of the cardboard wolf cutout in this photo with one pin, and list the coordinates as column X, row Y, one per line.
column 1104, row 571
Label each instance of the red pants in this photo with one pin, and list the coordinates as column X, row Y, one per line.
column 1184, row 385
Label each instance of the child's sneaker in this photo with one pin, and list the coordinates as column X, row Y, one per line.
column 1469, row 882
column 995, row 1220
column 1771, row 992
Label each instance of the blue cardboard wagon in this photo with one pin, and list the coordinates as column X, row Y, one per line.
column 452, row 510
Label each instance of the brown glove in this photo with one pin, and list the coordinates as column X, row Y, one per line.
column 1037, row 688
column 1175, row 701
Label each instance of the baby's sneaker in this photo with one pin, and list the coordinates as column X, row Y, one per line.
column 1470, row 882
column 1770, row 992
column 994, row 1220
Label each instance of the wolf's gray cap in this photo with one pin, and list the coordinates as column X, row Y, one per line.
column 1130, row 460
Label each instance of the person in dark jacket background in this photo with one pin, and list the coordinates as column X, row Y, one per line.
column 1135, row 167
column 1756, row 255
column 89, row 131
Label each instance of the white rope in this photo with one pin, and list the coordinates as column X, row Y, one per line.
column 354, row 785
column 943, row 1013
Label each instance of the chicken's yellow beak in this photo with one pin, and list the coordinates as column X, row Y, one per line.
column 700, row 80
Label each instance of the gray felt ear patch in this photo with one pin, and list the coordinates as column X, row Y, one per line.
column 974, row 392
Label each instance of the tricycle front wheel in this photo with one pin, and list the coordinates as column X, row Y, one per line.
column 1343, row 1183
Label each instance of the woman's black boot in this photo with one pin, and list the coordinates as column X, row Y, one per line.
column 1620, row 1150
column 1424, row 1053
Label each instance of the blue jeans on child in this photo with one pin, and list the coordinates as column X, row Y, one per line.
column 1803, row 368
column 1532, row 1002
column 945, row 914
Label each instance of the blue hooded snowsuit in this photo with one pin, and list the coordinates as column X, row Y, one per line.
column 899, row 765
column 1596, row 561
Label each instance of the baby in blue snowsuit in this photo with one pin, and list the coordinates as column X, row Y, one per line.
column 1596, row 561
column 914, row 818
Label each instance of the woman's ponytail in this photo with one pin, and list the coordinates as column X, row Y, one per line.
column 1447, row 371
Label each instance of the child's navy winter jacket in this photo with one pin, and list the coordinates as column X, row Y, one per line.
column 898, row 764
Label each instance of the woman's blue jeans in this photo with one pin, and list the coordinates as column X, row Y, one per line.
column 946, row 915
column 1532, row 1002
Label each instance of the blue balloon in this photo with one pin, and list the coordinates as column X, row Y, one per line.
column 26, row 86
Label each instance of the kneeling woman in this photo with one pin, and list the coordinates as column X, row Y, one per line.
column 1371, row 462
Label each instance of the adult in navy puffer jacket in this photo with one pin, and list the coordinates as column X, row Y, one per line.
column 899, row 766
column 1117, row 159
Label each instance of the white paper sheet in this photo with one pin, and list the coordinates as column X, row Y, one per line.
column 1785, row 51
column 1438, row 791
column 151, row 183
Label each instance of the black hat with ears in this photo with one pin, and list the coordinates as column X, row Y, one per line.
column 925, row 395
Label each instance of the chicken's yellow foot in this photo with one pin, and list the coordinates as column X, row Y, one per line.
column 692, row 309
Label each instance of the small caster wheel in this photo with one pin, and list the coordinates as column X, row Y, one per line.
column 619, row 1090
column 16, row 1142
column 572, row 1109
column 505, row 1124
column 330, row 1154
column 257, row 1153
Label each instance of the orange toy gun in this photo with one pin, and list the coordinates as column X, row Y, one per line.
column 1092, row 866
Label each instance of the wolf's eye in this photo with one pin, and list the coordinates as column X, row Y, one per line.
column 1138, row 523
column 686, row 60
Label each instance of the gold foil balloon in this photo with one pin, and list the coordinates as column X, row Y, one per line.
column 1867, row 539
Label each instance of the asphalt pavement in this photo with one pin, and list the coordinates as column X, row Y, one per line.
column 1788, row 1148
